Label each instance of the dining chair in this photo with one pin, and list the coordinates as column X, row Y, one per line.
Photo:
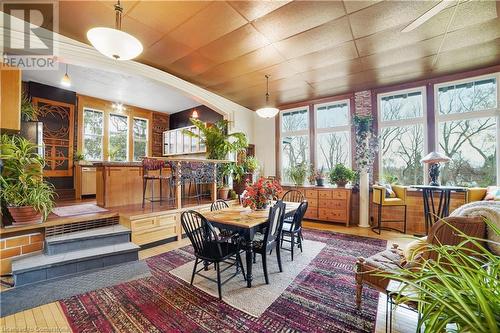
column 210, row 249
column 293, row 229
column 265, row 242
column 218, row 205
column 293, row 196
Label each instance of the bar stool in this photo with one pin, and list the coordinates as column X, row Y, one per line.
column 151, row 164
column 381, row 200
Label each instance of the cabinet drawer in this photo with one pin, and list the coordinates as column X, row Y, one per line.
column 313, row 203
column 154, row 234
column 166, row 220
column 339, row 194
column 143, row 224
column 325, row 194
column 332, row 204
column 311, row 194
column 311, row 214
column 332, row 214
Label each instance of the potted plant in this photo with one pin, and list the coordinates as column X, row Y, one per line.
column 244, row 176
column 27, row 197
column 261, row 193
column 341, row 175
column 216, row 138
column 298, row 173
column 319, row 177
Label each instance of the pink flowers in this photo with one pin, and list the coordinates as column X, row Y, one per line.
column 259, row 194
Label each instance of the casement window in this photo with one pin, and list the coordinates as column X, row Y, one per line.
column 118, row 137
column 294, row 138
column 333, row 134
column 402, row 131
column 93, row 134
column 140, row 138
column 467, row 126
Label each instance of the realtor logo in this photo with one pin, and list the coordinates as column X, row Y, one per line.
column 28, row 34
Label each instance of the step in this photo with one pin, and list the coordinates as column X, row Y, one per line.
column 86, row 239
column 39, row 267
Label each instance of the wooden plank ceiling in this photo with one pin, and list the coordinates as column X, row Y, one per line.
column 311, row 49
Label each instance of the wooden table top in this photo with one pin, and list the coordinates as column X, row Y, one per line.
column 244, row 217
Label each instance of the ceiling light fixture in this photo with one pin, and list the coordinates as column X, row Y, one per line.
column 194, row 114
column 118, row 107
column 115, row 43
column 66, row 81
column 267, row 111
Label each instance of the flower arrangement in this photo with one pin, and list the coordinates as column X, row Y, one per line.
column 366, row 142
column 259, row 194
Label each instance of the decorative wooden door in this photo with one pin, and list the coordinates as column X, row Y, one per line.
column 58, row 136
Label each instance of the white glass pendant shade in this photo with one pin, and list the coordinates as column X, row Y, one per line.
column 267, row 112
column 115, row 43
column 66, row 81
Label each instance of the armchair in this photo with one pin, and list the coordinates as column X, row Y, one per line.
column 380, row 199
column 475, row 194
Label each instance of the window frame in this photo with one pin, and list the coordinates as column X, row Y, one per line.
column 335, row 129
column 133, row 138
column 128, row 135
column 495, row 113
column 102, row 132
column 403, row 122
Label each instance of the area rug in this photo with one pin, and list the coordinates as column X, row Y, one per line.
column 33, row 295
column 257, row 299
column 78, row 210
column 320, row 299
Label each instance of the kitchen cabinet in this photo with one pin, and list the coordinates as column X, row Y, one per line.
column 10, row 98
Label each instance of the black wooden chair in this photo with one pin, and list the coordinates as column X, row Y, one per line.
column 293, row 196
column 218, row 205
column 293, row 229
column 210, row 249
column 264, row 243
column 222, row 233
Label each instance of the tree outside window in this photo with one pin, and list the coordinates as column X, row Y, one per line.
column 468, row 130
column 118, row 137
column 294, row 139
column 140, row 138
column 93, row 132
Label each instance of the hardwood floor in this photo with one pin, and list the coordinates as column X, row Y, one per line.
column 50, row 317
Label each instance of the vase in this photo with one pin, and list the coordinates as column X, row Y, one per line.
column 264, row 207
column 320, row 182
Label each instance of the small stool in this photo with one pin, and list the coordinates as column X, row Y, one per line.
column 380, row 199
column 151, row 164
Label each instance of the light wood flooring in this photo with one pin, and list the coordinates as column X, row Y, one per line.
column 50, row 317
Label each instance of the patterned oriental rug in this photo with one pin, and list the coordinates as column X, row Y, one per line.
column 320, row 299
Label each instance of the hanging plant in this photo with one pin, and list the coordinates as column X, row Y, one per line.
column 366, row 143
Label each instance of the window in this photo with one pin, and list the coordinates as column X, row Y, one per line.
column 93, row 132
column 294, row 138
column 467, row 125
column 118, row 137
column 140, row 131
column 333, row 134
column 402, row 135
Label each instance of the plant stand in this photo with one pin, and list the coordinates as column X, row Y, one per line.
column 364, row 199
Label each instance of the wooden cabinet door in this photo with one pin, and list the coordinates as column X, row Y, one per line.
column 10, row 101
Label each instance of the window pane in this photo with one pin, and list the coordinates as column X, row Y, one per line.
column 471, row 146
column 401, row 106
column 402, row 149
column 140, row 138
column 295, row 121
column 118, row 137
column 294, row 150
column 92, row 134
column 468, row 97
column 333, row 148
column 332, row 115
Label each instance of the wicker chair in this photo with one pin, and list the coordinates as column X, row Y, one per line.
column 394, row 258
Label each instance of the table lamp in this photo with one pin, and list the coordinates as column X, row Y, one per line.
column 434, row 159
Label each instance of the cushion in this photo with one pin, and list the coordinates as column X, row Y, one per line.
column 414, row 248
column 492, row 193
column 389, row 192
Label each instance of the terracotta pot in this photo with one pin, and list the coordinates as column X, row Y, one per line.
column 222, row 193
column 24, row 215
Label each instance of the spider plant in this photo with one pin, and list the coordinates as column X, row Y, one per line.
column 218, row 141
column 458, row 290
column 29, row 112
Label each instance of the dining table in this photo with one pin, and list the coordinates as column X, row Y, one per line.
column 246, row 222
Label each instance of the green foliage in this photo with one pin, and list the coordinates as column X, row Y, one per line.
column 232, row 169
column 251, row 164
column 232, row 195
column 78, row 156
column 29, row 112
column 298, row 173
column 461, row 286
column 21, row 179
column 217, row 140
column 341, row 174
column 390, row 179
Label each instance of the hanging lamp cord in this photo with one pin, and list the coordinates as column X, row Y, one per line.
column 118, row 15
column 267, row 89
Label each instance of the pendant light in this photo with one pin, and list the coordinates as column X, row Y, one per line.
column 194, row 114
column 115, row 43
column 267, row 111
column 66, row 81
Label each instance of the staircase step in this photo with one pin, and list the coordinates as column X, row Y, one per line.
column 39, row 267
column 86, row 239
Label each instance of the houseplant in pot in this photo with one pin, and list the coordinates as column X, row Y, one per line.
column 261, row 193
column 27, row 197
column 228, row 170
column 298, row 173
column 341, row 175
column 249, row 166
column 216, row 138
column 319, row 177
